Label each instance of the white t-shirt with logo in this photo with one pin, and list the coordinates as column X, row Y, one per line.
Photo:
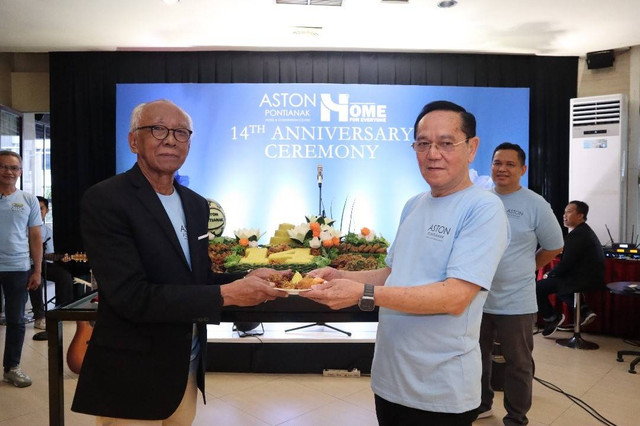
column 173, row 206
column 432, row 362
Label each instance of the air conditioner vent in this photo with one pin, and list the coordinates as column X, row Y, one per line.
column 595, row 113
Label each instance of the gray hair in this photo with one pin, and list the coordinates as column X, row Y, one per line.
column 7, row 153
column 136, row 114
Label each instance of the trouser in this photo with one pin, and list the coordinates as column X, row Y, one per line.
column 64, row 289
column 392, row 414
column 515, row 334
column 184, row 414
column 14, row 288
column 552, row 285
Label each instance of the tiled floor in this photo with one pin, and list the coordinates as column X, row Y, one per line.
column 311, row 399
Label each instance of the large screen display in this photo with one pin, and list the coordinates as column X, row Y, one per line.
column 256, row 148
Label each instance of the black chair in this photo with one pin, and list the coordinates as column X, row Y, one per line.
column 576, row 341
column 627, row 288
column 632, row 365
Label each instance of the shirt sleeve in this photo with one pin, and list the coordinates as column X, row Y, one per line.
column 548, row 231
column 480, row 244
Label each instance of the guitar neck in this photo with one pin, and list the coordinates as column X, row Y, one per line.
column 53, row 256
column 77, row 257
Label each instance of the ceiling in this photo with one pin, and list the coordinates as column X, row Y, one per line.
column 542, row 27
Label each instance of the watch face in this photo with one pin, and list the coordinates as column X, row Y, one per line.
column 367, row 304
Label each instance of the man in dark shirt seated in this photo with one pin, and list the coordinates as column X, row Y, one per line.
column 581, row 269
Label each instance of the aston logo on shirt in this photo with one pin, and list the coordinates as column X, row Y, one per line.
column 17, row 207
column 514, row 213
column 438, row 232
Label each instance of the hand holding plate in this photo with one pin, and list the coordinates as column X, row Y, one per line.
column 336, row 294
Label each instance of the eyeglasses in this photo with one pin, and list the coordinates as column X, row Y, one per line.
column 424, row 146
column 13, row 169
column 161, row 133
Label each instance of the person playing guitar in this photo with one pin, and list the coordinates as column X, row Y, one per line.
column 52, row 272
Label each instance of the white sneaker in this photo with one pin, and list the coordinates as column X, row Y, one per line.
column 485, row 414
column 591, row 317
column 40, row 324
column 17, row 377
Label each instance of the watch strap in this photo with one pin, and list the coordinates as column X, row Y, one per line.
column 368, row 290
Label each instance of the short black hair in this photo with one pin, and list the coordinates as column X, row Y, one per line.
column 513, row 147
column 468, row 120
column 581, row 207
column 43, row 201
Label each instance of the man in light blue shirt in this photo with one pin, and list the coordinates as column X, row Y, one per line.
column 510, row 309
column 427, row 367
column 20, row 241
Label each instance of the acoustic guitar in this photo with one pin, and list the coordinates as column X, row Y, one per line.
column 77, row 257
column 78, row 346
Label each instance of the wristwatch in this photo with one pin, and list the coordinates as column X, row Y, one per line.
column 367, row 302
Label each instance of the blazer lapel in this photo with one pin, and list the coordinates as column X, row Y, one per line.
column 149, row 199
column 191, row 210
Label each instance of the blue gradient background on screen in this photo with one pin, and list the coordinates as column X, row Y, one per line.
column 256, row 191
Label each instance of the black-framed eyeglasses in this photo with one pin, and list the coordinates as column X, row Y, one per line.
column 161, row 132
column 422, row 146
column 13, row 169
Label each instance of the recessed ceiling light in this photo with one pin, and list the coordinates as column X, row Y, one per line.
column 311, row 2
column 447, row 3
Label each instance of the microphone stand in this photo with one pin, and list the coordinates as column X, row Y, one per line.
column 320, row 213
column 42, row 335
column 320, row 194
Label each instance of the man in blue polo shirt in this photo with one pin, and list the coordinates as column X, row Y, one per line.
column 427, row 366
column 510, row 309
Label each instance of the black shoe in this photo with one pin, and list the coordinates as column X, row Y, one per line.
column 551, row 326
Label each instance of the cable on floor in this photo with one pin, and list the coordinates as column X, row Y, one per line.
column 580, row 403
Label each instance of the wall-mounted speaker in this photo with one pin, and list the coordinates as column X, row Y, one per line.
column 601, row 59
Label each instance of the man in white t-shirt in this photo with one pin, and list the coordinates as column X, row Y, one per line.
column 427, row 367
column 510, row 309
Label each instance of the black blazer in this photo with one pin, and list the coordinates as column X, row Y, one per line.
column 137, row 361
column 582, row 266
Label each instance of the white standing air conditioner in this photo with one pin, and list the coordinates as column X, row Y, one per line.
column 598, row 163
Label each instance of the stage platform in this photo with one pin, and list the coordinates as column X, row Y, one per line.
column 307, row 350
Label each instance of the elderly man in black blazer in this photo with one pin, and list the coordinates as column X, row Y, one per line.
column 581, row 269
column 146, row 237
